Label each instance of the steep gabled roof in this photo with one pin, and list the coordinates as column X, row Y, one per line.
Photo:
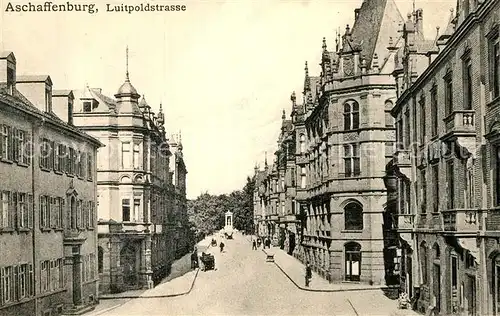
column 377, row 21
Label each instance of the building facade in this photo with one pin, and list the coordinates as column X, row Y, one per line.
column 445, row 173
column 48, row 223
column 348, row 134
column 326, row 190
column 182, row 237
column 137, row 198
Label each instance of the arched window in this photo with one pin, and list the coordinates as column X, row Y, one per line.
column 353, row 216
column 423, row 261
column 302, row 141
column 100, row 259
column 351, row 115
column 437, row 251
column 352, row 261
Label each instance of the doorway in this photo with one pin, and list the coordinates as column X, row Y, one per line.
column 128, row 261
column 352, row 261
column 471, row 295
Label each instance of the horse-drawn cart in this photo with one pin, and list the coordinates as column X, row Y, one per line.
column 208, row 261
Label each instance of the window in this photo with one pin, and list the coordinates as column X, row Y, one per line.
column 79, row 214
column 283, row 207
column 353, row 216
column 5, row 143
column 423, row 179
column 126, row 158
column 448, row 93
column 87, row 106
column 406, row 136
column 45, row 153
column 48, row 101
column 22, row 212
column 422, row 120
column 351, row 115
column 423, row 261
column 495, row 64
column 454, row 272
column 435, row 184
column 61, row 155
column 469, row 186
column 303, row 180
column 126, row 210
column 302, row 141
column 6, row 285
column 137, row 209
column 351, row 160
column 44, row 212
column 70, row 161
column 44, row 276
column 434, row 112
column 467, row 89
column 6, row 220
column 10, row 80
column 451, row 184
column 100, row 259
column 137, row 157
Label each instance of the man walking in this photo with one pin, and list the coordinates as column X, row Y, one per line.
column 221, row 246
column 254, row 245
column 308, row 274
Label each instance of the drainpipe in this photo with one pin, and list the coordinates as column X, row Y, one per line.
column 34, row 126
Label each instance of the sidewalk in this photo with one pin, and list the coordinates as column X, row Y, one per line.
column 295, row 271
column 172, row 285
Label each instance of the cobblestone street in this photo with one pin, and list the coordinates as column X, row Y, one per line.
column 245, row 284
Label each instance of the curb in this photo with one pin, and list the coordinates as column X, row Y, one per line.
column 157, row 296
column 324, row 290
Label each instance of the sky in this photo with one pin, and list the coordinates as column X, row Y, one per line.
column 223, row 70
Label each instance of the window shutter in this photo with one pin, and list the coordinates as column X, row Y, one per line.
column 18, row 210
column 10, row 141
column 15, row 143
column 40, row 151
column 31, row 208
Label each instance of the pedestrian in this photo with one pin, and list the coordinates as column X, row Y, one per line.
column 308, row 273
column 194, row 259
column 221, row 246
column 254, row 245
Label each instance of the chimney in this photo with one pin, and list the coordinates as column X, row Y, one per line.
column 62, row 105
column 8, row 71
column 37, row 89
column 419, row 21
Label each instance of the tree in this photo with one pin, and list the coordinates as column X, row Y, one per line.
column 206, row 212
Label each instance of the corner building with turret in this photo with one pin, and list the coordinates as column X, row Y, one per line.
column 136, row 197
column 348, row 137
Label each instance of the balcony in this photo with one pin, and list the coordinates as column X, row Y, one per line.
column 462, row 221
column 460, row 123
column 128, row 228
column 74, row 236
column 460, row 126
column 402, row 159
column 405, row 222
column 493, row 219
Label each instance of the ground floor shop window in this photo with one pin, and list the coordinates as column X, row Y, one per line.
column 352, row 261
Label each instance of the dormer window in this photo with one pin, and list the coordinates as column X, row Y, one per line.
column 90, row 105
